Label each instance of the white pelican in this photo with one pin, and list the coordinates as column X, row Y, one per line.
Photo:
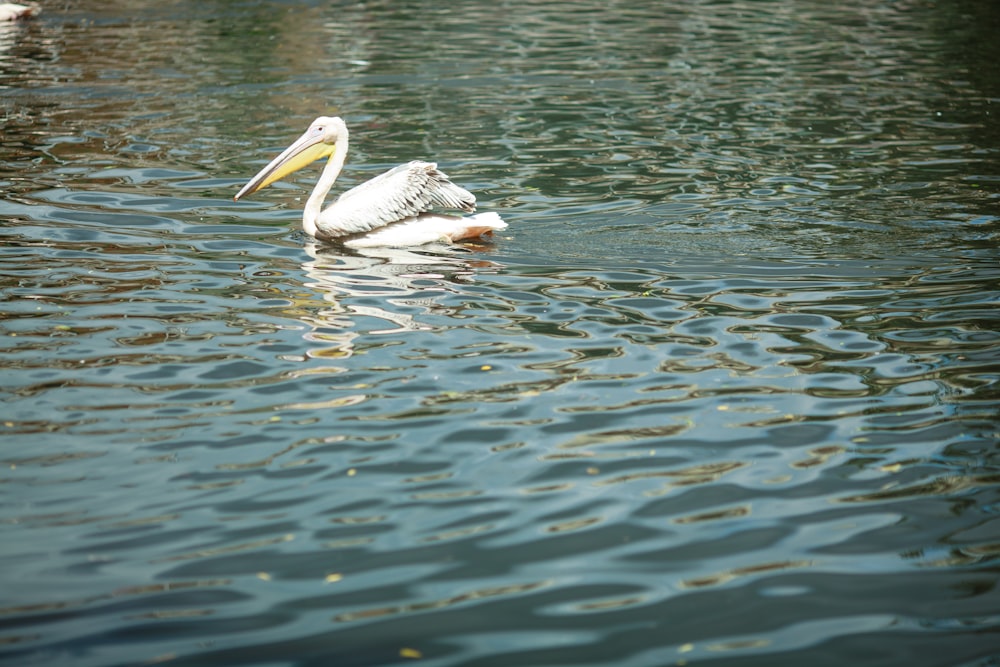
column 393, row 209
column 10, row 11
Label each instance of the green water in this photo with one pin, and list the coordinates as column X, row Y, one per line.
column 724, row 393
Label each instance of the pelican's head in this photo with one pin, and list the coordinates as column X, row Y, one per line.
column 318, row 142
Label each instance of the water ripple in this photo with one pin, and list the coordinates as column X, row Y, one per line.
column 723, row 392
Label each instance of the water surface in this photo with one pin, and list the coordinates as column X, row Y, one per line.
column 725, row 392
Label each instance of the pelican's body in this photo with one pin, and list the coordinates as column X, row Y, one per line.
column 397, row 208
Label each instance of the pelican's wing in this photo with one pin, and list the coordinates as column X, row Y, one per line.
column 400, row 193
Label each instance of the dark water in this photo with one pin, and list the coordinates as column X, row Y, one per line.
column 725, row 392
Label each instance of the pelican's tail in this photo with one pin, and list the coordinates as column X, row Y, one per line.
column 10, row 11
column 429, row 228
column 474, row 226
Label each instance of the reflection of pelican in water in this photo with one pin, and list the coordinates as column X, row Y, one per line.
column 10, row 11
column 394, row 209
column 379, row 291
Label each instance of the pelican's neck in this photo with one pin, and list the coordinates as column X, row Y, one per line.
column 314, row 205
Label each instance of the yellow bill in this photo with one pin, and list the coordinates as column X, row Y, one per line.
column 307, row 149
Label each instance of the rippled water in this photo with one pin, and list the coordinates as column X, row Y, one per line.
column 725, row 392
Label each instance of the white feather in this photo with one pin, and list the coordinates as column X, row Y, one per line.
column 429, row 228
column 400, row 193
